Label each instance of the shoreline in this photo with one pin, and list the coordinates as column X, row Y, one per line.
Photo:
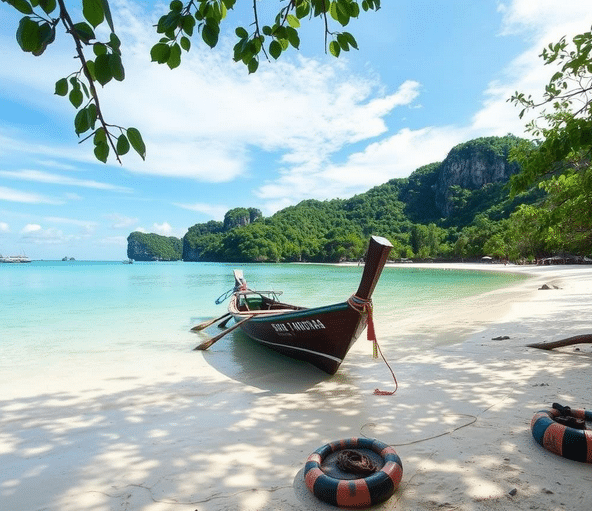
column 231, row 428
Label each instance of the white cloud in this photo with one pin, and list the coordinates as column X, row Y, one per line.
column 394, row 157
column 4, row 227
column 31, row 228
column 120, row 221
column 212, row 211
column 35, row 233
column 86, row 226
column 165, row 229
column 40, row 176
column 12, row 195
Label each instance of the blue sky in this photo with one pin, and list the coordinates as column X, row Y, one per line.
column 428, row 75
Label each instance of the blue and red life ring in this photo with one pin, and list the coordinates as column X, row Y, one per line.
column 354, row 492
column 569, row 442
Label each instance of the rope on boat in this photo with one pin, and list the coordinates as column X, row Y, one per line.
column 224, row 296
column 365, row 307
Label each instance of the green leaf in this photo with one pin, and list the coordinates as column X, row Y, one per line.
column 103, row 72
column 293, row 37
column 81, row 122
column 21, row 6
column 176, row 6
column 92, row 10
column 114, row 42
column 99, row 49
column 275, row 49
column 293, row 21
column 91, row 112
column 302, row 10
column 46, row 37
column 333, row 11
column 84, row 32
column 27, row 35
column 116, row 67
column 241, row 33
column 160, row 53
column 209, row 34
column 188, row 24
column 102, row 151
column 100, row 136
column 123, row 145
column 90, row 70
column 185, row 43
column 48, row 6
column 253, row 65
column 135, row 139
column 61, row 87
column 334, row 48
column 351, row 40
column 170, row 21
column 174, row 59
column 107, row 13
column 75, row 97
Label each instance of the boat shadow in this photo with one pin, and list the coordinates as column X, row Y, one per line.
column 246, row 361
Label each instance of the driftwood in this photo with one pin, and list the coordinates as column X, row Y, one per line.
column 576, row 339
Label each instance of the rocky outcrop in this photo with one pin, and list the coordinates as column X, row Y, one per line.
column 239, row 217
column 471, row 166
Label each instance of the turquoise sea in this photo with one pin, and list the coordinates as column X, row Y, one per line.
column 71, row 312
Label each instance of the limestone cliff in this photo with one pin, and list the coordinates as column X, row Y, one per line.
column 471, row 166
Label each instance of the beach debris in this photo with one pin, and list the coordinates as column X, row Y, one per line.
column 513, row 492
column 500, row 338
column 547, row 286
column 576, row 339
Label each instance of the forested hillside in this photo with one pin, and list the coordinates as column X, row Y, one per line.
column 153, row 247
column 456, row 209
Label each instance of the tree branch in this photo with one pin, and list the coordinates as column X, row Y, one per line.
column 69, row 26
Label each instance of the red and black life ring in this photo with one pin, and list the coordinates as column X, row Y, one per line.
column 350, row 491
column 560, row 438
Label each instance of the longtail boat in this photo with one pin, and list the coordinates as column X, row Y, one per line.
column 319, row 335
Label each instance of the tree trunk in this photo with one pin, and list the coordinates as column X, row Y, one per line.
column 576, row 339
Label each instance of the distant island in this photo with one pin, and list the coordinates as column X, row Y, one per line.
column 455, row 209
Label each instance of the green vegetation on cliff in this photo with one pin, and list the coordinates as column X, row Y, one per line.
column 142, row 246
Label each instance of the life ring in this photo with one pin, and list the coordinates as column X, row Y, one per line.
column 569, row 442
column 354, row 492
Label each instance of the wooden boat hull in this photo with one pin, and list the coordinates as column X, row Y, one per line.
column 320, row 335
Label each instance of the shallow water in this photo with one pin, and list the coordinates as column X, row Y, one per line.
column 70, row 313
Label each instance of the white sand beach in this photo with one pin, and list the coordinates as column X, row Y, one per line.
column 231, row 428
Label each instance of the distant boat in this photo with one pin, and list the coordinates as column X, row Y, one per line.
column 68, row 259
column 15, row 259
column 127, row 261
column 320, row 335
